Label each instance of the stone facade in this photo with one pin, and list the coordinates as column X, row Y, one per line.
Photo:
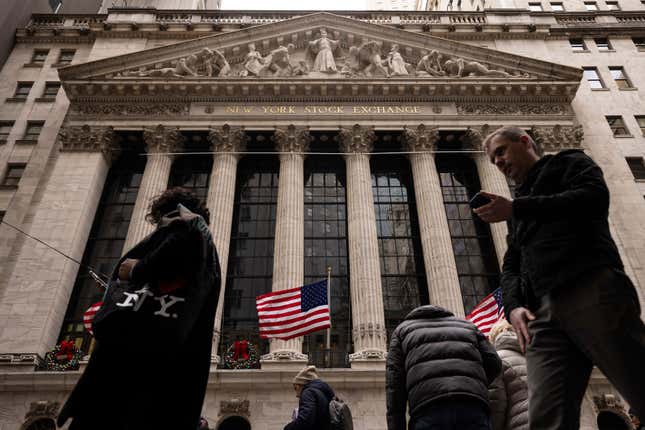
column 167, row 74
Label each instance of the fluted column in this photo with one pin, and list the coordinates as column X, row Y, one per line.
column 160, row 141
column 226, row 142
column 288, row 254
column 492, row 181
column 438, row 254
column 368, row 317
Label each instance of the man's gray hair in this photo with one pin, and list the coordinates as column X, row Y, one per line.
column 513, row 134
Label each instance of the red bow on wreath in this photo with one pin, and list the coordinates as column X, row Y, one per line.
column 240, row 350
column 66, row 351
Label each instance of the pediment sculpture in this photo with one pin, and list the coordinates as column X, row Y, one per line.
column 323, row 57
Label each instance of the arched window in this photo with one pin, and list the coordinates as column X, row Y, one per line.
column 472, row 244
column 105, row 243
column 402, row 269
column 250, row 262
column 326, row 245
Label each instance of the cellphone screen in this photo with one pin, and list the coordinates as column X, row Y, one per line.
column 478, row 200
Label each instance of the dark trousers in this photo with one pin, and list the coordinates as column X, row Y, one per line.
column 453, row 414
column 594, row 322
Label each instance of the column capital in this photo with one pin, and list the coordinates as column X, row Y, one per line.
column 473, row 137
column 357, row 139
column 227, row 139
column 558, row 137
column 86, row 138
column 292, row 139
column 421, row 138
column 162, row 139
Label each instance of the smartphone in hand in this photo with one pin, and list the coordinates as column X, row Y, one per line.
column 479, row 200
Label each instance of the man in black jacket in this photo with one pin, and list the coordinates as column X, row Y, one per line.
column 150, row 372
column 313, row 406
column 441, row 366
column 565, row 292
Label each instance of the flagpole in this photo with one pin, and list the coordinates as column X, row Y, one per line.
column 329, row 306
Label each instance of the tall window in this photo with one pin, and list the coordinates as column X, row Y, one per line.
column 22, row 90
column 471, row 238
column 105, row 244
column 620, row 77
column 326, row 245
column 578, row 45
column 32, row 132
column 39, row 55
column 617, row 125
column 5, row 129
column 637, row 166
column 402, row 269
column 193, row 171
column 66, row 56
column 592, row 76
column 603, row 44
column 640, row 120
column 13, row 174
column 250, row 262
column 51, row 90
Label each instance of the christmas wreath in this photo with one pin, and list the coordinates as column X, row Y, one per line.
column 64, row 356
column 242, row 354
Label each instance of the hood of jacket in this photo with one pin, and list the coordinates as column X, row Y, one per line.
column 428, row 312
column 508, row 340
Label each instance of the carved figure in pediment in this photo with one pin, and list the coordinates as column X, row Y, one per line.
column 431, row 65
column 462, row 68
column 278, row 63
column 396, row 63
column 253, row 62
column 365, row 60
column 206, row 62
column 323, row 49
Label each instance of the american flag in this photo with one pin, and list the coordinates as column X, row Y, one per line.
column 294, row 312
column 88, row 316
column 488, row 312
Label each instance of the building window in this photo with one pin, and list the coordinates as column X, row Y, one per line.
column 535, row 7
column 105, row 244
column 472, row 244
column 51, row 90
column 557, row 7
column 637, row 166
column 639, row 42
column 619, row 76
column 22, row 90
column 617, row 125
column 612, row 5
column 5, row 129
column 401, row 256
column 591, row 6
column 192, row 171
column 577, row 44
column 592, row 76
column 39, row 55
column 250, row 261
column 325, row 225
column 32, row 132
column 66, row 56
column 640, row 119
column 13, row 175
column 603, row 44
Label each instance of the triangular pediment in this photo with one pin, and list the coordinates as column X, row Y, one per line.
column 325, row 50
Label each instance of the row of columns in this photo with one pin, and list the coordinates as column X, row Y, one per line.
column 369, row 334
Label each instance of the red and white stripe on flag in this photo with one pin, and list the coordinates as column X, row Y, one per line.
column 88, row 316
column 294, row 312
column 488, row 312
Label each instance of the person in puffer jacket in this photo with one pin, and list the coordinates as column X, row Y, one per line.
column 509, row 394
column 441, row 366
column 313, row 406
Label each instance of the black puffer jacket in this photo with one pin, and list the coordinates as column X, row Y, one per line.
column 435, row 355
column 313, row 408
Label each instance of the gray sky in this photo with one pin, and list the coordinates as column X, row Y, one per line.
column 294, row 4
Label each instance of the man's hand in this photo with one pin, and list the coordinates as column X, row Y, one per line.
column 126, row 267
column 520, row 318
column 499, row 209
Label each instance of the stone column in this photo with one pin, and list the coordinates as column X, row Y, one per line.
column 438, row 254
column 368, row 317
column 160, row 141
column 288, row 254
column 492, row 181
column 39, row 281
column 226, row 142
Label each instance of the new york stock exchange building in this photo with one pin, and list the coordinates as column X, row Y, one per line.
column 349, row 140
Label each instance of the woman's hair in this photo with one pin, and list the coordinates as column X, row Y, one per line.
column 498, row 328
column 168, row 200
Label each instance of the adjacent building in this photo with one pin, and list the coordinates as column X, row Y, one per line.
column 349, row 141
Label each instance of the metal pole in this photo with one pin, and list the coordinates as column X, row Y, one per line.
column 329, row 306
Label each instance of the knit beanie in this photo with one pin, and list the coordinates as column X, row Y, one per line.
column 306, row 375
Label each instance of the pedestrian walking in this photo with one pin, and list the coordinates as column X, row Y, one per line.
column 509, row 394
column 440, row 366
column 150, row 366
column 565, row 291
column 314, row 396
